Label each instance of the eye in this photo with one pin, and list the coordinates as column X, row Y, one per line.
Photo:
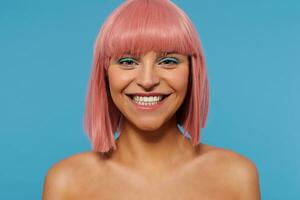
column 126, row 61
column 169, row 61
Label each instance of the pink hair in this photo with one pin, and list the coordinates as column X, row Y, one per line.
column 137, row 27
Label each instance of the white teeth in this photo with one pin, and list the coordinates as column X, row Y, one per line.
column 151, row 100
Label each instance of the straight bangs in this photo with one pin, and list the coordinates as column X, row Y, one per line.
column 153, row 26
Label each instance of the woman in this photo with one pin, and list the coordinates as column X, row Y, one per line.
column 148, row 79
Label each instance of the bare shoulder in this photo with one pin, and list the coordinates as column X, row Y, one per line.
column 69, row 171
column 237, row 170
column 227, row 156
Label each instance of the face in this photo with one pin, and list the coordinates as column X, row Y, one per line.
column 148, row 90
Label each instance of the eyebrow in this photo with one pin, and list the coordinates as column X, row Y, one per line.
column 159, row 54
column 163, row 53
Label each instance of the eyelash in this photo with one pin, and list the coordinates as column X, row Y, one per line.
column 128, row 59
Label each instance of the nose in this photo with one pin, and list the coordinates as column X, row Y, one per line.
column 147, row 77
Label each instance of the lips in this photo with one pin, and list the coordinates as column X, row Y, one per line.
column 148, row 107
column 164, row 95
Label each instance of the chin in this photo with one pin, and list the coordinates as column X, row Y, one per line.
column 148, row 126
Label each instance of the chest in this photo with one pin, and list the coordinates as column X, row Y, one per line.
column 190, row 186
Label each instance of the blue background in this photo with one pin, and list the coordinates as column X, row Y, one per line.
column 252, row 52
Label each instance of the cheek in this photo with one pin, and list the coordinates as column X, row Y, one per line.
column 118, row 80
column 179, row 80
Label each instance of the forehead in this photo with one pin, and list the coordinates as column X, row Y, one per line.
column 149, row 53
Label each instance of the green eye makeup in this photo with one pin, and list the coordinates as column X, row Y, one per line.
column 127, row 61
column 165, row 60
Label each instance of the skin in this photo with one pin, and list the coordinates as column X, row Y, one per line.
column 153, row 160
column 148, row 138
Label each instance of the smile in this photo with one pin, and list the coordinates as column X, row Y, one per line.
column 148, row 102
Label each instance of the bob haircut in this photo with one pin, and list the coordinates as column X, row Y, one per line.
column 137, row 27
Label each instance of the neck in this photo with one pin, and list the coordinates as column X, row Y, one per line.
column 144, row 149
